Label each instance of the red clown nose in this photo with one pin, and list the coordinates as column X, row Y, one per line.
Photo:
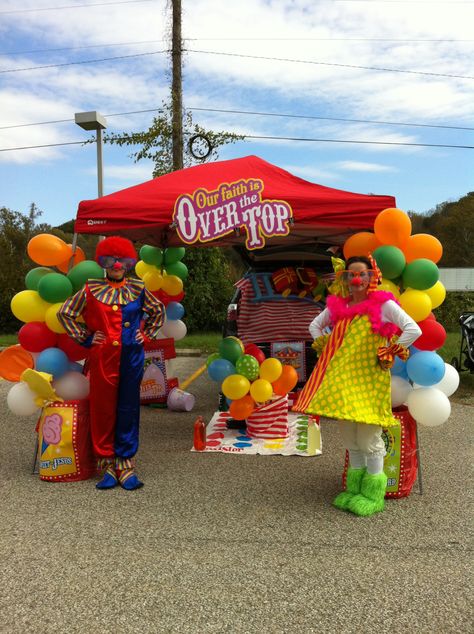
column 356, row 281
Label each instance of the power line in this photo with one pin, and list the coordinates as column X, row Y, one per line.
column 74, row 6
column 236, row 39
column 277, row 59
column 261, row 114
column 87, row 61
column 273, row 138
column 305, row 61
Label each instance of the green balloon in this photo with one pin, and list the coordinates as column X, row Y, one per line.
column 212, row 357
column 177, row 268
column 230, row 349
column 86, row 270
column 151, row 255
column 174, row 254
column 33, row 277
column 247, row 365
column 420, row 274
column 390, row 261
column 54, row 287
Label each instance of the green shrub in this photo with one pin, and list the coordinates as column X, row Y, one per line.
column 456, row 302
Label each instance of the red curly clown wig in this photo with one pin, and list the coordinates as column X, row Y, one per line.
column 117, row 247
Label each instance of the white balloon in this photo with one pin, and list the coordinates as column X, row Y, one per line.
column 175, row 329
column 400, row 390
column 429, row 406
column 72, row 386
column 450, row 381
column 21, row 400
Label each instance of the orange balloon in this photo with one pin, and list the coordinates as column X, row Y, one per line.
column 423, row 245
column 242, row 408
column 13, row 361
column 392, row 226
column 79, row 256
column 286, row 382
column 361, row 243
column 47, row 249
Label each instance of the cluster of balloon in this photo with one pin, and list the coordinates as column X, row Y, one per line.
column 248, row 378
column 43, row 343
column 408, row 264
column 163, row 274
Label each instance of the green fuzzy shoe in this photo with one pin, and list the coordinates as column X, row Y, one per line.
column 353, row 482
column 371, row 498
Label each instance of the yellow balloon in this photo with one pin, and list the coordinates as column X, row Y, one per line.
column 52, row 320
column 141, row 268
column 416, row 303
column 271, row 370
column 153, row 281
column 388, row 285
column 172, row 285
column 261, row 390
column 437, row 294
column 235, row 386
column 29, row 306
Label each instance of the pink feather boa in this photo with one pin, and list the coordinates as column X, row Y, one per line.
column 372, row 307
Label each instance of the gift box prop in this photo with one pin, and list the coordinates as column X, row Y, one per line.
column 269, row 420
column 64, row 442
column 402, row 459
column 156, row 383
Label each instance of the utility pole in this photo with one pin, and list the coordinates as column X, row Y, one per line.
column 177, row 88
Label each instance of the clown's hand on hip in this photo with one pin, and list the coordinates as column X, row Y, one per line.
column 320, row 343
column 386, row 355
column 98, row 338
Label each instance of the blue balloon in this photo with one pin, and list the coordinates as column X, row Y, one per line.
column 74, row 366
column 174, row 310
column 220, row 369
column 413, row 350
column 53, row 361
column 425, row 368
column 399, row 368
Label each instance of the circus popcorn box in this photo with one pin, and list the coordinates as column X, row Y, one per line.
column 64, row 442
column 401, row 458
column 269, row 420
column 156, row 383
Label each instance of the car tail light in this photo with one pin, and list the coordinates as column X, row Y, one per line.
column 232, row 312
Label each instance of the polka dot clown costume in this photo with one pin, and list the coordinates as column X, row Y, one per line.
column 105, row 316
column 351, row 381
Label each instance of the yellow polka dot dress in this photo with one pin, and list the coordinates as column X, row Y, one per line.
column 354, row 387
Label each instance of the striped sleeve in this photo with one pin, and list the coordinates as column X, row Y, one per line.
column 155, row 315
column 69, row 314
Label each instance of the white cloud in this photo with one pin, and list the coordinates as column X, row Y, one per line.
column 359, row 166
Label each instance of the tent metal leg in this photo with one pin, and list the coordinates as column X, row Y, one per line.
column 418, row 456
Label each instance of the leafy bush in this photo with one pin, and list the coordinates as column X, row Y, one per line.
column 456, row 302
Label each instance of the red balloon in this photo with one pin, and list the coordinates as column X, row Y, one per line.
column 431, row 316
column 286, row 382
column 255, row 351
column 35, row 336
column 73, row 350
column 433, row 335
column 165, row 298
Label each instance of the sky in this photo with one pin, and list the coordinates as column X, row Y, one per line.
column 345, row 70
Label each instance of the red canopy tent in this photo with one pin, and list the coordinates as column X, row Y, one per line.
column 145, row 212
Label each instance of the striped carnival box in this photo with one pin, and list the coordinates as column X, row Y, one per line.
column 269, row 420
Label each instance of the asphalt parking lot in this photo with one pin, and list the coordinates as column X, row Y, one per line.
column 224, row 543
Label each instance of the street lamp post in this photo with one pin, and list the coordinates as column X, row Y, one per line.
column 94, row 121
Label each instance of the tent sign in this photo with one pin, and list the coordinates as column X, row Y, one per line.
column 207, row 215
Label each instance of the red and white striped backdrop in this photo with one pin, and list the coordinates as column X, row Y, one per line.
column 270, row 420
column 278, row 320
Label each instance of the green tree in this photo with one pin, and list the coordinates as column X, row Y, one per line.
column 16, row 230
column 157, row 142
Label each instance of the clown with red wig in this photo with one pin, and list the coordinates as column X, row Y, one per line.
column 105, row 316
column 351, row 381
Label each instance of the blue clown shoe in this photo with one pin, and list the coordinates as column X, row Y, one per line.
column 109, row 481
column 129, row 481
